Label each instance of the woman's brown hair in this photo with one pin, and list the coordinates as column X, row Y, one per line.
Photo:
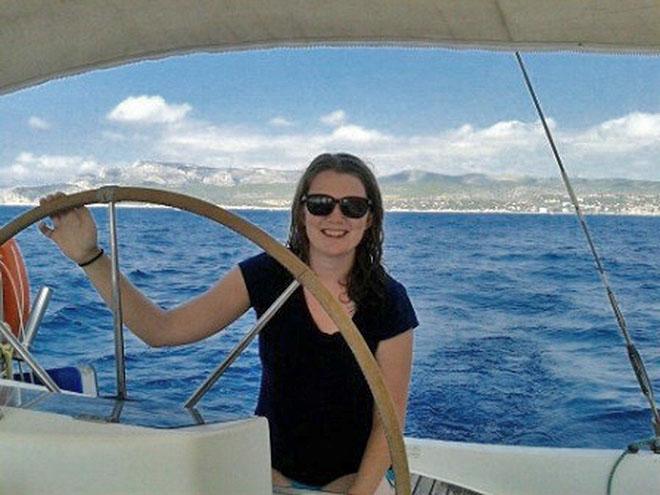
column 366, row 280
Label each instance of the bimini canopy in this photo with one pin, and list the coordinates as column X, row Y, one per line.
column 44, row 39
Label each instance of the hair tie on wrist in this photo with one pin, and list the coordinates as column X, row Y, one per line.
column 92, row 260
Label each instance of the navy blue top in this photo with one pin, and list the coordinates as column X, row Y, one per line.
column 317, row 402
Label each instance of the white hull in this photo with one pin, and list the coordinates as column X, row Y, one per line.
column 509, row 470
column 46, row 453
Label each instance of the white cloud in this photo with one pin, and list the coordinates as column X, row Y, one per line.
column 510, row 147
column 212, row 145
column 627, row 146
column 148, row 110
column 506, row 147
column 635, row 125
column 38, row 123
column 30, row 169
column 357, row 134
column 630, row 132
column 280, row 122
column 336, row 118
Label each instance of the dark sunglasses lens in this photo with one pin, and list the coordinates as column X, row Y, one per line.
column 354, row 207
column 320, row 205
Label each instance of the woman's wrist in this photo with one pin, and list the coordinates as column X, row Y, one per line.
column 91, row 258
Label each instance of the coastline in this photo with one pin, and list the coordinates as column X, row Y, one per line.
column 387, row 210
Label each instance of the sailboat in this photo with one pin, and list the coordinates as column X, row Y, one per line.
column 54, row 441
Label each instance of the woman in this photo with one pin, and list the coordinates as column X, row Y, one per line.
column 323, row 427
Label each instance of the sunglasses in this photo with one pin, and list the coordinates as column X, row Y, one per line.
column 321, row 205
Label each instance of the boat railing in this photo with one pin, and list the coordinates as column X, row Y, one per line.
column 25, row 355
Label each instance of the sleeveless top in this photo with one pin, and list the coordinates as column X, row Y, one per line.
column 318, row 404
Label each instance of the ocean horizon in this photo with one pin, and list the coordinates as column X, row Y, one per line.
column 390, row 210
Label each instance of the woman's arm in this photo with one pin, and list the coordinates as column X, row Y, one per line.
column 192, row 321
column 394, row 357
column 74, row 232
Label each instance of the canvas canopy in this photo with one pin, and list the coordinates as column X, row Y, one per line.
column 44, row 39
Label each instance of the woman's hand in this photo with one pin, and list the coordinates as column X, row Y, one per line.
column 74, row 231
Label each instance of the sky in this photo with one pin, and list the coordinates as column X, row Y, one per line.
column 446, row 111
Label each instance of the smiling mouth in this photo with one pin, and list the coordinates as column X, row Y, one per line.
column 334, row 233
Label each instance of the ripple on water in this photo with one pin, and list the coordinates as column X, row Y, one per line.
column 516, row 342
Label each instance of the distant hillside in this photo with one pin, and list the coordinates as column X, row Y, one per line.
column 229, row 186
column 407, row 190
column 419, row 190
column 485, row 185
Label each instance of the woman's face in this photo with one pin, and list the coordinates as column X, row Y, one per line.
column 335, row 235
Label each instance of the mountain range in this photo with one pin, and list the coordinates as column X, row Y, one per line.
column 407, row 190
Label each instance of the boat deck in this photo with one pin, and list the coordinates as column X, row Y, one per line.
column 421, row 485
column 427, row 486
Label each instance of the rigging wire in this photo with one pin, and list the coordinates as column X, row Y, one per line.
column 633, row 355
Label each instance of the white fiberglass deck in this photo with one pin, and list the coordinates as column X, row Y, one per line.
column 121, row 447
column 54, row 454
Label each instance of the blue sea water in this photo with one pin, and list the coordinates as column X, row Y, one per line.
column 517, row 343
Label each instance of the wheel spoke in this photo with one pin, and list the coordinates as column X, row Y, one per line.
column 116, row 304
column 240, row 347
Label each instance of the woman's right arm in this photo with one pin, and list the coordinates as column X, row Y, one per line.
column 75, row 234
column 194, row 320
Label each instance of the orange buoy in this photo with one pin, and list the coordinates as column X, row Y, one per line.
column 15, row 287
